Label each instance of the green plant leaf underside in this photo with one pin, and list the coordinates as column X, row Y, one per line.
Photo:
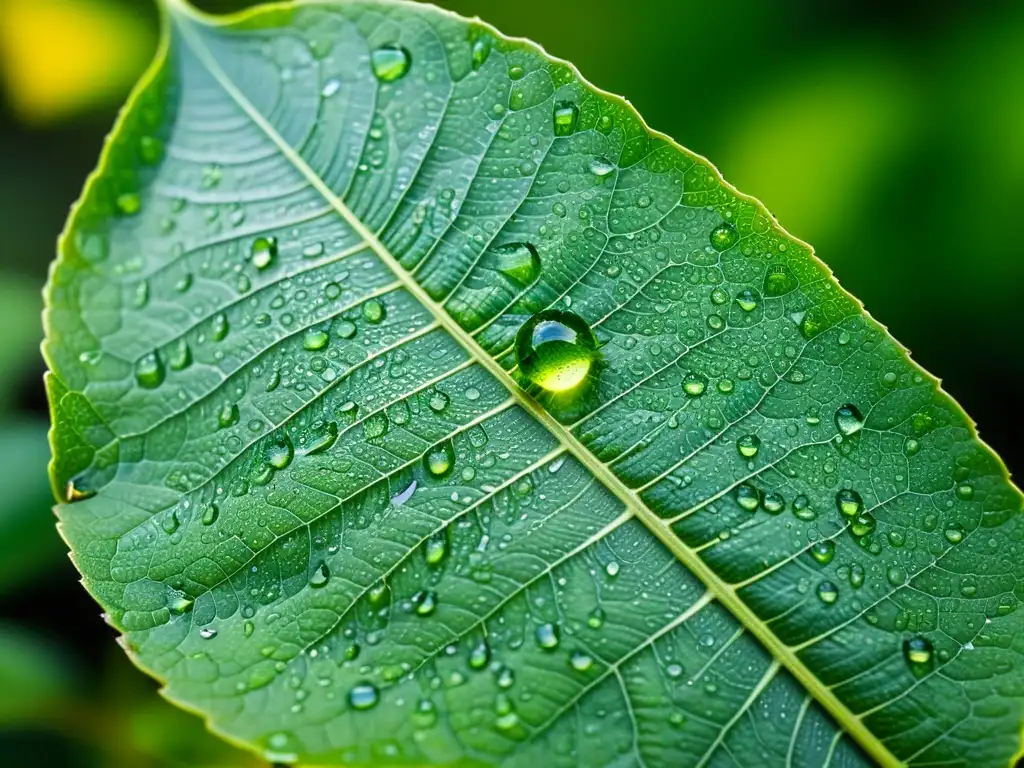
column 304, row 476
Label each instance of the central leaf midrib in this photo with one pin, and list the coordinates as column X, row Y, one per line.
column 721, row 590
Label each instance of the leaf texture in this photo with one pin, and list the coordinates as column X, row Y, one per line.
column 304, row 476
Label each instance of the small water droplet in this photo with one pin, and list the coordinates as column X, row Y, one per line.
column 280, row 451
column 425, row 601
column 601, row 167
column 314, row 341
column 228, row 415
column 207, row 633
column 580, row 661
column 330, row 88
column 748, row 299
column 129, row 203
column 438, row 401
column 954, row 533
column 211, row 513
column 773, row 502
column 849, row 503
column 479, row 655
column 373, row 311
column 440, row 460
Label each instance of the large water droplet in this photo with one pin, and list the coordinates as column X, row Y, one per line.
column 320, row 576
column 390, row 62
column 748, row 498
column 823, row 551
column 425, row 601
column 363, row 696
column 748, row 299
column 479, row 655
column 828, row 593
column 849, row 503
column 314, row 341
column 954, row 533
column 323, row 439
column 580, row 661
column 518, row 262
column 440, row 460
column 773, row 502
column 374, row 311
column 264, row 251
column 150, row 370
column 748, row 446
column 547, row 636
column 280, row 452
column 848, row 419
column 694, row 384
column 779, row 280
column 565, row 117
column 601, row 167
column 555, row 350
column 920, row 655
column 724, row 236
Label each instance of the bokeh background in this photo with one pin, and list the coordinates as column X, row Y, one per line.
column 888, row 135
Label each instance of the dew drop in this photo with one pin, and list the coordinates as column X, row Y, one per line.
column 330, row 88
column 280, row 452
column 555, row 350
column 438, row 401
column 479, row 655
column 828, row 593
column 210, row 514
column 694, row 384
column 748, row 445
column 748, row 300
column 920, row 656
column 724, row 236
column 363, row 696
column 823, row 551
column 264, row 251
column 748, row 498
column 954, row 533
column 390, row 63
column 440, row 460
column 373, row 311
column 425, row 601
column 519, row 262
column 150, row 370
column 228, row 415
column 314, row 341
column 565, row 117
column 849, row 503
column 849, row 420
column 547, row 636
column 436, row 547
column 580, row 661
column 207, row 633
column 320, row 576
column 773, row 502
column 601, row 167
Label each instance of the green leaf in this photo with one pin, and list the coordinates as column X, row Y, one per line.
column 327, row 509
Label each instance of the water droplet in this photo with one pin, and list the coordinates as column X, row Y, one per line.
column 373, row 311
column 748, row 446
column 856, row 575
column 965, row 492
column 376, row 425
column 440, row 460
column 320, row 576
column 920, row 656
column 849, row 420
column 954, row 533
column 280, row 452
column 390, row 63
column 748, row 299
column 210, row 514
column 748, row 498
column 547, row 636
column 481, row 51
column 438, row 401
column 170, row 522
column 612, row 569
column 330, row 88
column 150, row 371
column 724, row 236
column 425, row 714
column 596, row 619
column 264, row 251
column 228, row 415
column 207, row 633
column 849, row 503
column 565, row 118
column 479, row 655
column 779, row 280
column 555, row 350
column 863, row 524
column 802, row 508
column 314, row 341
column 425, row 601
column 129, row 203
column 580, row 661
column 694, row 384
column 823, row 551
column 773, row 502
column 828, row 593
column 363, row 696
column 323, row 440
column 896, row 575
column 601, row 167
column 518, row 262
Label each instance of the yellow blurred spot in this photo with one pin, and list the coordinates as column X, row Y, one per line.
column 59, row 57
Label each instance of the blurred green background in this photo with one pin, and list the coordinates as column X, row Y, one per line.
column 888, row 135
